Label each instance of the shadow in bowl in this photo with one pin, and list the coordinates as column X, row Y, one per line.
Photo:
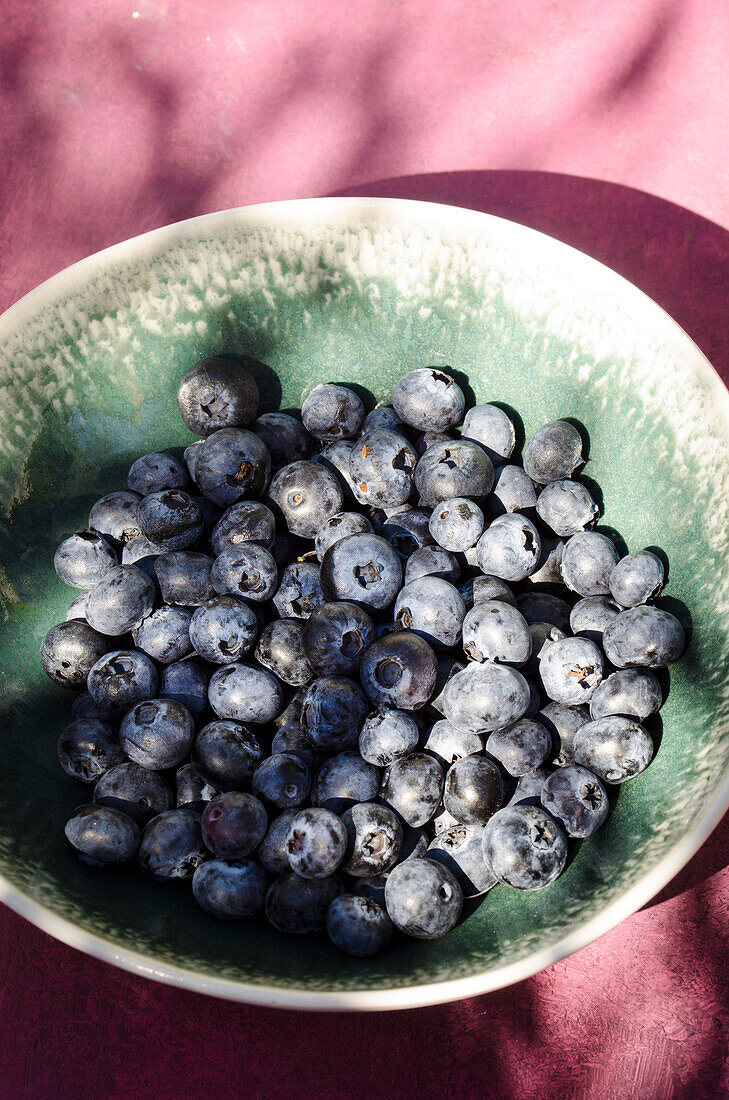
column 677, row 257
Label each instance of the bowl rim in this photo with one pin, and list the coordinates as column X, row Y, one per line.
column 399, row 997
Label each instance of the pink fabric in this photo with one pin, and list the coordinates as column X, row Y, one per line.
column 119, row 117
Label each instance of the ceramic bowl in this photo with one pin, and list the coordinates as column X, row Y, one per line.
column 355, row 290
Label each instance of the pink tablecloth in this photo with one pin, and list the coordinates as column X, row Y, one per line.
column 119, row 117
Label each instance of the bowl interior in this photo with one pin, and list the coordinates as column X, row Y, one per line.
column 356, row 291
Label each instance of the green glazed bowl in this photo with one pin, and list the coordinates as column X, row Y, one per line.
column 358, row 291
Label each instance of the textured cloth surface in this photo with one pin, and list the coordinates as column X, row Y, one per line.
column 601, row 123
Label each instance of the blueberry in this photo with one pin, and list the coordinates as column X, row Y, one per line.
column 496, row 631
column 192, row 790
column 433, row 609
column 245, row 522
column 413, row 786
column 84, row 559
column 223, row 630
column 566, row 507
column 426, row 440
column 187, row 682
column 232, row 465
column 334, row 711
column 337, row 527
column 306, row 494
column 563, row 722
column 230, row 890
column 190, row 456
column 298, row 905
column 522, row 747
column 407, row 531
column 87, row 748
column 513, row 491
column 576, row 798
column 614, row 748
column 374, row 839
column 282, row 780
column 233, row 824
column 164, row 634
column 364, row 569
column 134, row 790
column 487, row 587
column 524, row 847
column 358, row 925
column 543, row 607
column 543, row 636
column 386, row 735
column 170, row 519
column 120, row 600
column 455, row 469
column 141, row 552
column 644, row 637
column 299, row 591
column 77, row 608
column 344, row 780
column 381, row 466
column 460, row 849
column 247, row 570
column 226, row 754
column 423, row 898
column 442, row 821
column 588, row 560
column 447, row 743
column 69, row 651
column 280, row 649
column 637, row 578
column 100, row 835
column 152, row 473
column 291, row 713
column 571, row 670
column 172, row 846
column 432, row 561
column 372, row 888
column 591, row 615
column 216, row 393
column 115, row 516
column 285, row 438
column 271, row 852
column 429, row 400
column 183, row 577
column 492, row 428
column 382, row 416
column 456, row 524
column 157, row 733
column 509, row 548
column 529, row 787
column 332, row 412
column 549, row 568
column 316, row 843
column 632, row 692
column 485, row 697
column 399, row 670
column 122, row 678
column 335, row 459
column 414, row 842
column 473, row 790
column 245, row 694
column 554, row 452
column 294, row 739
column 336, row 636
column 83, row 706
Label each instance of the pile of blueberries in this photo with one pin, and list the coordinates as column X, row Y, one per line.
column 352, row 669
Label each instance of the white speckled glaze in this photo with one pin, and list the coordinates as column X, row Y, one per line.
column 357, row 290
